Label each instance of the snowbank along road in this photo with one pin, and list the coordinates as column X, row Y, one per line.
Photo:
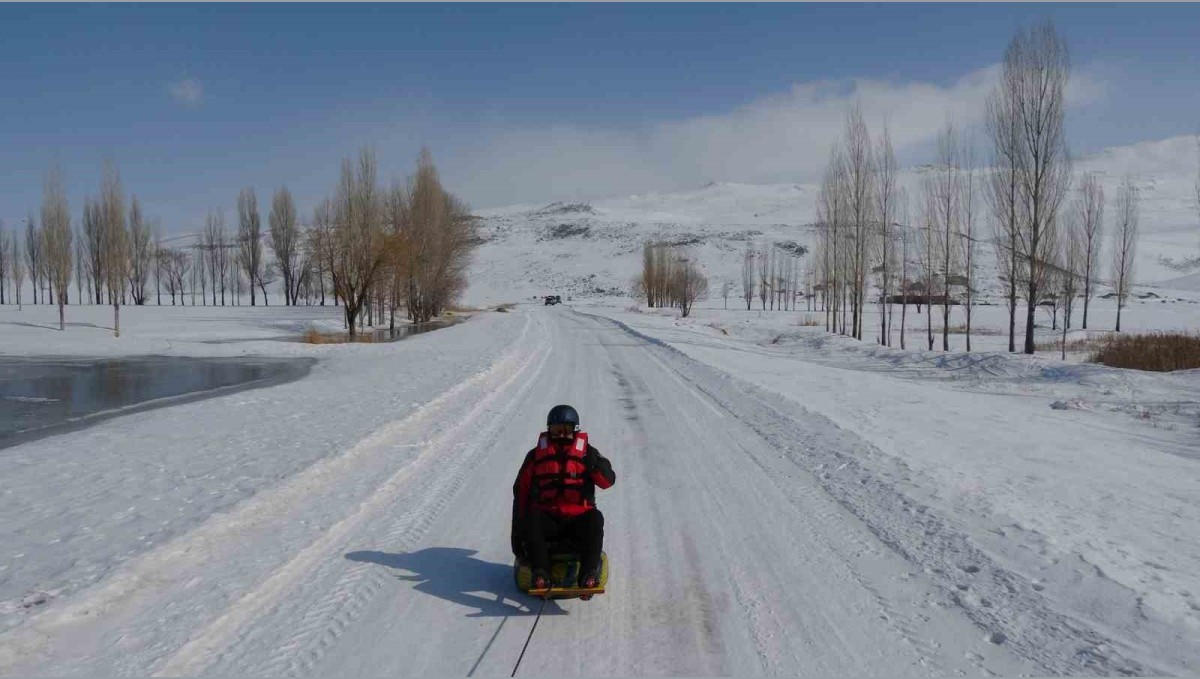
column 743, row 539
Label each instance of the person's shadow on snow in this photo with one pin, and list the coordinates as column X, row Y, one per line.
column 454, row 574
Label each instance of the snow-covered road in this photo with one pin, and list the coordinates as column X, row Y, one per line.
column 743, row 539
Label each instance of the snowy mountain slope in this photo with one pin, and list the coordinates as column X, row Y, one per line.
column 594, row 249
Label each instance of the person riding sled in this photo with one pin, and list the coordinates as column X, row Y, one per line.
column 554, row 499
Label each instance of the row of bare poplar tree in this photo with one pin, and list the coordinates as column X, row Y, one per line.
column 670, row 277
column 374, row 249
column 771, row 273
column 1048, row 255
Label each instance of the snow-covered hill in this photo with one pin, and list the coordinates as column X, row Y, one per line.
column 594, row 249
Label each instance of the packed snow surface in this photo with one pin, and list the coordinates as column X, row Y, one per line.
column 783, row 505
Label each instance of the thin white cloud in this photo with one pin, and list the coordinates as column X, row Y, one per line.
column 782, row 138
column 187, row 92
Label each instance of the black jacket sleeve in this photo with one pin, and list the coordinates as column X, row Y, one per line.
column 601, row 469
column 520, row 504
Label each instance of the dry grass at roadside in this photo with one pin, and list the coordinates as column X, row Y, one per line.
column 1159, row 351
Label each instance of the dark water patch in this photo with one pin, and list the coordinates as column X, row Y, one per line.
column 376, row 335
column 45, row 396
column 367, row 336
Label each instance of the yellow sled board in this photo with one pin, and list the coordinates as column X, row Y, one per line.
column 565, row 592
column 561, row 566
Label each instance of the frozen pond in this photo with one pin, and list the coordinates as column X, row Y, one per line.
column 44, row 396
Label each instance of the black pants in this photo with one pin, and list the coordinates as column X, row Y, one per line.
column 585, row 532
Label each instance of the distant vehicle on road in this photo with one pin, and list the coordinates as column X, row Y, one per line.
column 553, row 299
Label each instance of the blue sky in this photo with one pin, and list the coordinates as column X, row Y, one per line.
column 532, row 103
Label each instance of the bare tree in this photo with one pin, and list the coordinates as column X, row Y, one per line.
column 220, row 252
column 948, row 194
column 905, row 240
column 885, row 205
column 212, row 244
column 250, row 238
column 33, row 255
column 18, row 268
column 80, row 267
column 115, row 247
column 162, row 269
column 748, row 274
column 285, row 241
column 1074, row 266
column 1089, row 213
column 688, row 284
column 726, row 286
column 56, row 238
column 176, row 267
column 1036, row 68
column 200, row 268
column 764, row 279
column 649, row 275
column 358, row 252
column 1125, row 238
column 929, row 249
column 182, row 267
column 664, row 271
column 860, row 179
column 1003, row 191
column 969, row 259
column 93, row 233
column 771, row 274
column 166, row 257
column 827, row 209
column 437, row 242
column 158, row 273
column 4, row 267
column 140, row 253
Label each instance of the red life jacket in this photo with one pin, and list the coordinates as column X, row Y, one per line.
column 560, row 473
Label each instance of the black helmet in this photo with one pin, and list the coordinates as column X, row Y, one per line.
column 563, row 414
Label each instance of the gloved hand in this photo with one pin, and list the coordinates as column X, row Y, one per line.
column 591, row 459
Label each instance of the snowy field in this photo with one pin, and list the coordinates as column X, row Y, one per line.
column 139, row 481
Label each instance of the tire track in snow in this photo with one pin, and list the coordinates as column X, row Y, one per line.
column 770, row 633
column 1015, row 615
column 103, row 626
column 827, row 512
column 238, row 641
column 905, row 623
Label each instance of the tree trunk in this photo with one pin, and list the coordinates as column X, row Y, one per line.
column 1030, row 308
column 116, row 317
column 968, row 322
column 1087, row 293
column 929, row 324
column 946, row 319
column 1064, row 341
